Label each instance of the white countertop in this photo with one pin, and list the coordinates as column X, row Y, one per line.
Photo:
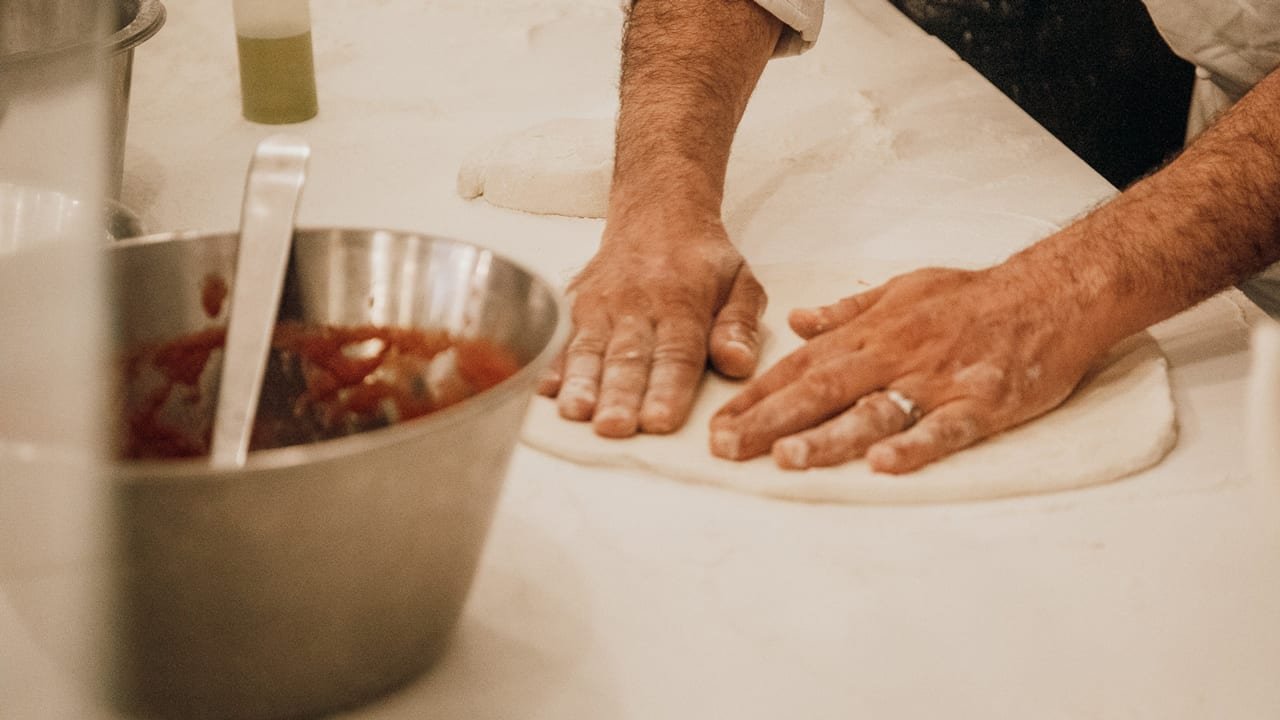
column 621, row 595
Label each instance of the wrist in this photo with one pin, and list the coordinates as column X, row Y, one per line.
column 1076, row 292
column 681, row 195
column 657, row 216
column 664, row 228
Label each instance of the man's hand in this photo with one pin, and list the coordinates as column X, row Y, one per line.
column 976, row 352
column 645, row 311
column 666, row 286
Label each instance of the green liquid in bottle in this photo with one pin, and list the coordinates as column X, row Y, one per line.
column 277, row 79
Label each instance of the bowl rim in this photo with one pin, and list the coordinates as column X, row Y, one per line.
column 200, row 469
column 150, row 18
column 147, row 22
column 112, row 208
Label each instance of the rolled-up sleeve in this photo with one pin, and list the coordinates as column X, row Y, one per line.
column 1236, row 41
column 803, row 19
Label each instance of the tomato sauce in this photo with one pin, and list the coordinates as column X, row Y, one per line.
column 213, row 293
column 321, row 382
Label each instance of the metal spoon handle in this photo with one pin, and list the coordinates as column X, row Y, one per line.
column 274, row 184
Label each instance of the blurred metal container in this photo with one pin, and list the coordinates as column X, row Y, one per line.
column 1263, row 402
column 31, row 216
column 47, row 46
column 317, row 575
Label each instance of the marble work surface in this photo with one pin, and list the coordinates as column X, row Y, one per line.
column 621, row 595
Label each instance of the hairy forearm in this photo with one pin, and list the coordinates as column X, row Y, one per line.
column 1209, row 218
column 688, row 69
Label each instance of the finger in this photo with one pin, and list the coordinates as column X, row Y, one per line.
column 549, row 381
column 817, row 395
column 580, row 379
column 679, row 359
column 844, row 437
column 784, row 372
column 735, row 334
column 811, row 322
column 949, row 428
column 624, row 378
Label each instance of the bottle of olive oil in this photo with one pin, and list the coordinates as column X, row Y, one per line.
column 277, row 70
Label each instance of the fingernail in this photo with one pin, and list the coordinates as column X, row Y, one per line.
column 548, row 385
column 792, row 453
column 738, row 346
column 657, row 417
column 882, row 457
column 576, row 403
column 575, row 408
column 615, row 422
column 726, row 444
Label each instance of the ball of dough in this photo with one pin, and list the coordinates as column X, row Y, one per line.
column 561, row 167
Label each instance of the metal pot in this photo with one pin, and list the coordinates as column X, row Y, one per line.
column 1263, row 402
column 317, row 575
column 49, row 75
column 31, row 216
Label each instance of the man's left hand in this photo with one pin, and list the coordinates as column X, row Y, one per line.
column 906, row 373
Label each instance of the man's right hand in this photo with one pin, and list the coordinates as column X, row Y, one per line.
column 666, row 290
column 657, row 299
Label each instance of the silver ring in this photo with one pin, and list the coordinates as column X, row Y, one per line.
column 906, row 405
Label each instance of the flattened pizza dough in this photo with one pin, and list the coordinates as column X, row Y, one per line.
column 561, row 167
column 1119, row 421
column 564, row 166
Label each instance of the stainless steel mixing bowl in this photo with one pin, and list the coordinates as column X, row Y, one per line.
column 317, row 575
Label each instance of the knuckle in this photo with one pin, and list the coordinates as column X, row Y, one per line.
column 586, row 340
column 626, row 358
column 959, row 431
column 743, row 332
column 981, row 381
column 632, row 322
column 586, row 344
column 794, row 365
column 629, row 347
column 740, row 314
column 583, row 367
column 683, row 329
column 751, row 289
column 679, row 354
column 852, row 305
column 622, row 391
column 825, row 383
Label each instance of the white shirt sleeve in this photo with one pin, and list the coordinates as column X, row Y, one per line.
column 803, row 19
column 1236, row 41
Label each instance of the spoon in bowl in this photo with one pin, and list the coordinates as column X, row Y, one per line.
column 274, row 184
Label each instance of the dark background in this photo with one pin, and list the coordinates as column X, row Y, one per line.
column 1095, row 73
